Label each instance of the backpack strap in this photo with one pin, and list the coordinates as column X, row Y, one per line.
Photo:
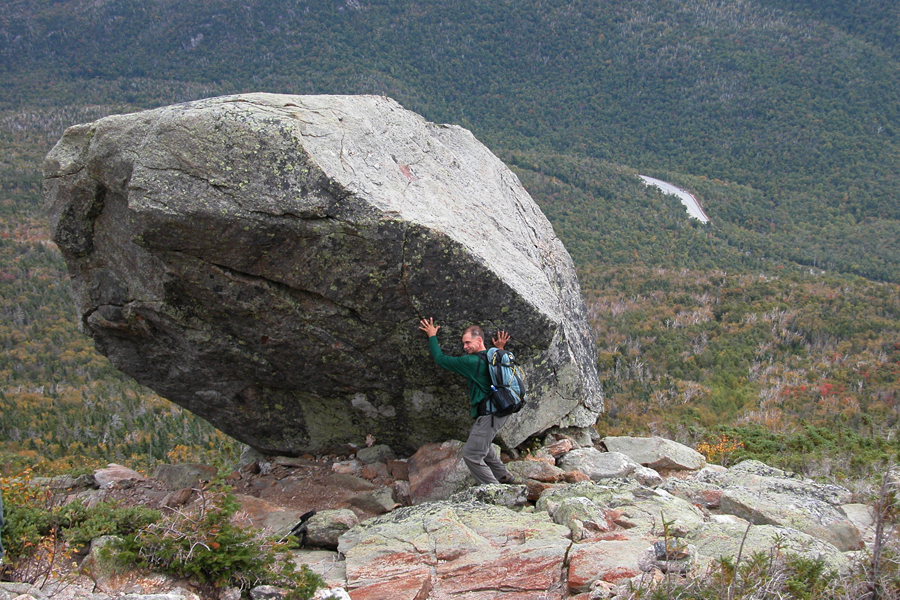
column 490, row 366
column 490, row 381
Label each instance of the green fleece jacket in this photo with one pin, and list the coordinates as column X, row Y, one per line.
column 469, row 366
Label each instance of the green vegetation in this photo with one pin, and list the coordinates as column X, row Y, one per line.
column 201, row 542
column 762, row 576
column 801, row 369
column 40, row 533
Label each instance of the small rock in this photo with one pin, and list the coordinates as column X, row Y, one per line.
column 647, row 476
column 401, row 492
column 575, row 477
column 610, row 561
column 597, row 465
column 399, row 469
column 96, row 565
column 268, row 592
column 376, row 502
column 337, row 593
column 325, row 527
column 540, row 455
column 116, row 475
column 498, row 494
column 176, row 498
column 378, row 453
column 250, row 469
column 250, row 455
column 580, row 438
column 601, row 590
column 536, row 470
column 232, row 593
column 583, row 518
column 437, row 471
column 559, row 447
column 669, row 557
column 656, row 452
column 347, row 467
column 186, row 475
column 374, row 471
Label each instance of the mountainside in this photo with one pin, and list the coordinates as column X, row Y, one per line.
column 798, row 105
column 781, row 117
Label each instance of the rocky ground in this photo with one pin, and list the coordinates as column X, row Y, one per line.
column 583, row 521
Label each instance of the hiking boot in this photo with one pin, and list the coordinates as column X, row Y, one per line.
column 508, row 479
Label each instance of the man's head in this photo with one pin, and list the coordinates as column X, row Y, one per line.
column 473, row 340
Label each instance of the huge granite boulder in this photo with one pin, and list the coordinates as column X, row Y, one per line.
column 264, row 260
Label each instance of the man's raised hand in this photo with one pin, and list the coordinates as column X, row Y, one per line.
column 428, row 326
column 501, row 340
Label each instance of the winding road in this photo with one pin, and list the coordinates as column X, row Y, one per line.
column 693, row 207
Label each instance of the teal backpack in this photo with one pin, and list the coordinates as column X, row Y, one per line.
column 507, row 385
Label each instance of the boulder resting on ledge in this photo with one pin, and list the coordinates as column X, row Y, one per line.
column 263, row 261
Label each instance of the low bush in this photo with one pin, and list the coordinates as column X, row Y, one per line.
column 202, row 543
column 40, row 531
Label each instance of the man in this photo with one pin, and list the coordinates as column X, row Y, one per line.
column 478, row 453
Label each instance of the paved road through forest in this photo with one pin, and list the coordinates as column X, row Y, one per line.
column 693, row 207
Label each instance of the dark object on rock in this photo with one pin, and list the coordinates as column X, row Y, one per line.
column 264, row 260
column 670, row 550
column 299, row 530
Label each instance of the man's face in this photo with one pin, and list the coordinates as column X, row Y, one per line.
column 471, row 345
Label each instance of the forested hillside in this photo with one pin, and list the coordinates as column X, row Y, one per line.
column 781, row 116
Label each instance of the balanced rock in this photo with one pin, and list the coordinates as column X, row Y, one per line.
column 264, row 260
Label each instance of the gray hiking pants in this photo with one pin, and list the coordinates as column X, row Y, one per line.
column 480, row 456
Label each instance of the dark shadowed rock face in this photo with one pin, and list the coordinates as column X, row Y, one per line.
column 263, row 261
